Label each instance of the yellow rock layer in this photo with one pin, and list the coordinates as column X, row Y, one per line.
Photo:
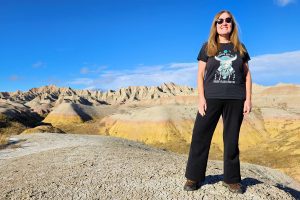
column 151, row 132
column 63, row 119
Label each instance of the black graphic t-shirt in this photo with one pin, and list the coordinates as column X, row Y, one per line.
column 224, row 73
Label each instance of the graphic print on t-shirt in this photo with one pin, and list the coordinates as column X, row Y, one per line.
column 225, row 73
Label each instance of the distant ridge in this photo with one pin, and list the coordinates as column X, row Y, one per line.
column 42, row 99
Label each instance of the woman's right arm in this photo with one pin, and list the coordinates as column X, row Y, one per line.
column 202, row 102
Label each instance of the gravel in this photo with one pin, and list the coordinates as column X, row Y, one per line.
column 71, row 166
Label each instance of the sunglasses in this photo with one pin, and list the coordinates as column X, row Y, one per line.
column 227, row 20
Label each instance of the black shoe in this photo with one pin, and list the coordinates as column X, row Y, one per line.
column 191, row 185
column 234, row 187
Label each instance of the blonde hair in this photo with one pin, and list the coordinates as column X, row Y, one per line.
column 213, row 45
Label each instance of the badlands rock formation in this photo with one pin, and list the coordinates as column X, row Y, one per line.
column 16, row 117
column 163, row 116
column 42, row 99
column 66, row 166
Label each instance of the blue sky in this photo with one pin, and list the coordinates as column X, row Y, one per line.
column 109, row 44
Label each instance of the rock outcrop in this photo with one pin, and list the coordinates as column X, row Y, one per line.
column 63, row 166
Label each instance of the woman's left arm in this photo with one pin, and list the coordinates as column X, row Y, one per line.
column 248, row 103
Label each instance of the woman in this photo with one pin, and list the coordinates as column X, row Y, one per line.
column 224, row 88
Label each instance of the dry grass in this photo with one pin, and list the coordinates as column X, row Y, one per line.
column 7, row 129
column 3, row 139
column 90, row 127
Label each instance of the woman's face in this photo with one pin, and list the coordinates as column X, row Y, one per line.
column 225, row 27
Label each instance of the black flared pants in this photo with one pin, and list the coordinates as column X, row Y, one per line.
column 204, row 127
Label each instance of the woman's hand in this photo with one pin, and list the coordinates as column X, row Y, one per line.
column 247, row 106
column 202, row 106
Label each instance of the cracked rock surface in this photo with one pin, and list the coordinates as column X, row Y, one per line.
column 70, row 166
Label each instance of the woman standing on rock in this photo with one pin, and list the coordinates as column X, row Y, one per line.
column 224, row 88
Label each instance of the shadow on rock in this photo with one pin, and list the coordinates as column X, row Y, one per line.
column 293, row 192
